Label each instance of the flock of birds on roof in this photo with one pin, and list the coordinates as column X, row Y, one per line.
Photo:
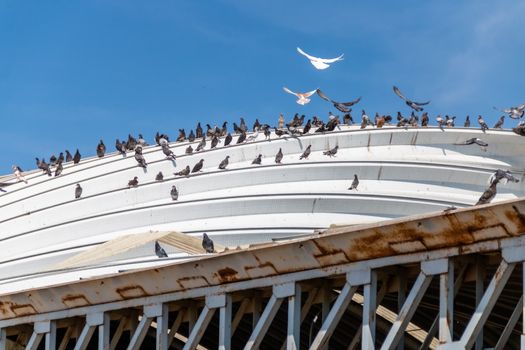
column 295, row 128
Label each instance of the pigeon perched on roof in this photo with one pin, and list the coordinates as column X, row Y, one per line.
column 302, row 97
column 159, row 251
column 224, row 163
column 131, row 143
column 207, row 244
column 499, row 123
column 332, row 152
column 140, row 158
column 257, row 159
column 279, row 156
column 201, row 144
column 189, row 150
column 141, row 141
column 228, row 139
column 133, row 182
column 183, row 172
column 514, row 112
column 59, row 169
column 78, row 191
column 280, row 123
column 519, row 129
column 101, row 149
column 76, row 157
column 19, row 173
column 197, row 167
column 159, row 176
column 191, row 136
column 354, row 184
column 472, row 141
column 341, row 106
column 306, row 152
column 214, row 141
column 120, row 147
column 168, row 152
column 241, row 138
column 489, row 193
column 320, row 63
column 198, row 131
column 412, row 104
column 174, row 193
column 467, row 122
column 69, row 157
column 182, row 135
column 482, row 123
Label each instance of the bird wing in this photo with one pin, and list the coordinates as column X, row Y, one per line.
column 348, row 104
column 481, row 143
column 319, row 65
column 331, row 60
column 311, row 58
column 290, row 91
column 323, row 96
column 421, row 103
column 309, row 93
column 521, row 107
column 398, row 93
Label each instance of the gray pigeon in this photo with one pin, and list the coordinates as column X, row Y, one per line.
column 134, row 182
column 174, row 193
column 472, row 141
column 514, row 112
column 355, row 183
column 183, row 172
column 499, row 123
column 412, row 104
column 228, row 139
column 201, row 144
column 489, row 194
column 161, row 253
column 214, row 141
column 101, row 149
column 198, row 166
column 140, row 158
column 78, row 191
column 160, row 176
column 504, row 176
column 167, row 151
column 332, row 152
column 257, row 160
column 279, row 156
column 306, row 152
column 224, row 163
column 59, row 169
column 482, row 123
column 207, row 244
column 189, row 150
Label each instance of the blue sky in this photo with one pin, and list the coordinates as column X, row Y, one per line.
column 74, row 72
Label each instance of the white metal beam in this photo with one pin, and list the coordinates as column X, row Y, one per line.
column 240, row 314
column 140, row 332
column 446, row 304
column 118, row 332
column 264, row 322
column 509, row 327
column 368, row 328
column 3, row 339
column 104, row 332
column 401, row 298
column 480, row 281
column 66, row 338
column 407, row 311
column 85, row 337
column 225, row 324
column 484, row 308
column 175, row 326
column 212, row 303
column 294, row 320
column 51, row 336
column 161, row 342
column 34, row 341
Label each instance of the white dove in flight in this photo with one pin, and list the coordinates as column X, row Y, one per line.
column 320, row 63
column 302, row 96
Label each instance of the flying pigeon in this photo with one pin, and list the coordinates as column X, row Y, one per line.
column 306, row 152
column 207, row 243
column 412, row 104
column 342, row 106
column 513, row 112
column 302, row 96
column 224, row 163
column 503, row 176
column 355, row 183
column 472, row 141
column 320, row 63
column 78, row 191
column 161, row 253
column 174, row 193
column 183, row 172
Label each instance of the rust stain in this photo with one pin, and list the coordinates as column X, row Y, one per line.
column 23, row 310
column 4, row 306
column 191, row 282
column 517, row 218
column 338, row 253
column 227, row 275
column 134, row 291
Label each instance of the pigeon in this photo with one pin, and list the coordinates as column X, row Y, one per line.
column 140, row 158
column 499, row 123
column 167, row 151
column 19, row 173
column 159, row 177
column 355, row 183
column 201, row 144
column 267, row 133
column 207, row 244
column 237, row 129
column 279, row 156
column 503, row 177
column 131, row 143
column 331, row 153
column 76, row 157
column 256, row 125
column 174, row 193
column 257, row 159
column 189, row 150
column 60, row 158
column 198, row 131
column 307, row 127
column 489, row 193
column 302, row 97
column 365, row 120
column 320, row 63
column 342, row 106
column 228, row 139
column 514, row 112
column 2, row 190
column 182, row 135
column 78, row 191
column 120, row 147
column 224, row 163
column 101, row 149
column 306, row 152
column 134, row 182
column 141, row 141
column 467, row 122
column 347, row 118
column 59, row 169
column 482, row 123
column 243, row 125
column 424, row 119
column 183, row 172
column 198, row 166
column 45, row 167
column 280, row 123
column 253, row 136
column 440, row 122
column 191, row 136
column 224, row 129
column 412, row 104
column 69, row 157
column 472, row 141
column 159, row 251
column 214, row 141
column 241, row 138
column 52, row 160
